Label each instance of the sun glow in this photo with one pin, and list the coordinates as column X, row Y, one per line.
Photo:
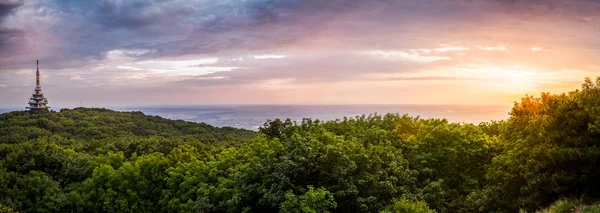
column 515, row 78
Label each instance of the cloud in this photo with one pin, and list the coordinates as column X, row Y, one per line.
column 539, row 7
column 304, row 68
column 8, row 37
column 424, row 78
column 180, row 27
column 269, row 56
column 191, row 46
column 7, row 7
column 9, row 40
column 76, row 77
column 403, row 55
column 450, row 48
column 537, row 49
column 580, row 12
column 499, row 48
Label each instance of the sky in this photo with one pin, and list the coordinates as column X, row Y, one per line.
column 203, row 52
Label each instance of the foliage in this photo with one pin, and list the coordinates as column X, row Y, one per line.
column 550, row 149
column 561, row 206
column 404, row 205
column 591, row 209
column 569, row 206
column 313, row 201
column 98, row 160
column 6, row 209
column 95, row 159
column 97, row 124
column 451, row 159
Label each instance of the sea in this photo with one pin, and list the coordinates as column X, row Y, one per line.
column 253, row 116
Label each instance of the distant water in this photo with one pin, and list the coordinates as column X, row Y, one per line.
column 8, row 110
column 253, row 116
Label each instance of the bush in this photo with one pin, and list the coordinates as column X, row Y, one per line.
column 404, row 205
column 591, row 209
column 562, row 206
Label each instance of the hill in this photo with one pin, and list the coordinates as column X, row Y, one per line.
column 95, row 124
column 96, row 160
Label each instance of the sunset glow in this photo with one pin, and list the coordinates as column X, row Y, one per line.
column 297, row 52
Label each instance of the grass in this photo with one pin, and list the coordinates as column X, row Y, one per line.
column 591, row 209
column 569, row 206
column 562, row 206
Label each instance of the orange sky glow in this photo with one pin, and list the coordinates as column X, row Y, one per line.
column 488, row 52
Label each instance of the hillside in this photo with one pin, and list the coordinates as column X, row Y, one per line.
column 96, row 160
column 96, row 124
column 45, row 154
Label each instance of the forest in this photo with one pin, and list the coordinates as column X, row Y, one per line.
column 543, row 158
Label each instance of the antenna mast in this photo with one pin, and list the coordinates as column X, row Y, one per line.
column 37, row 100
column 37, row 74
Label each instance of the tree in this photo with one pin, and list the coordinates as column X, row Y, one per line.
column 550, row 149
column 403, row 205
column 313, row 201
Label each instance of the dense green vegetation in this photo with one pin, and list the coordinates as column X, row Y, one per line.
column 97, row 160
column 569, row 206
